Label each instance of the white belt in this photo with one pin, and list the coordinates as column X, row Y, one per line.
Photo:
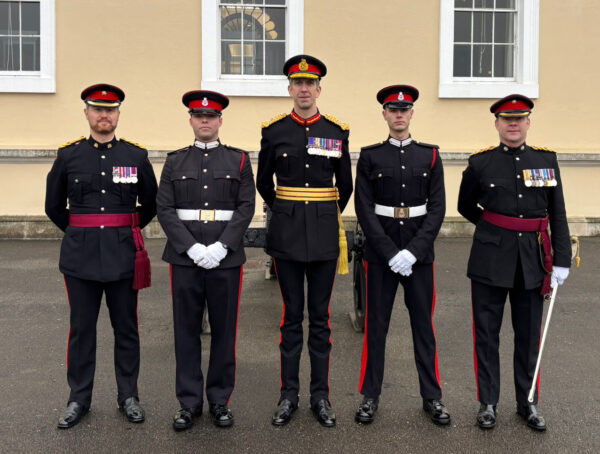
column 400, row 212
column 204, row 215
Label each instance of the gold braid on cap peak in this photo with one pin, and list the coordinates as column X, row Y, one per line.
column 266, row 124
column 533, row 147
column 341, row 124
column 71, row 142
column 483, row 150
column 133, row 143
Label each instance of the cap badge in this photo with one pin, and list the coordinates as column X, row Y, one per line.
column 205, row 102
column 103, row 93
column 514, row 101
column 400, row 96
column 303, row 65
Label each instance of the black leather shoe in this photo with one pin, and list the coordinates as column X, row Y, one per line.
column 284, row 412
column 184, row 418
column 366, row 411
column 436, row 411
column 221, row 414
column 530, row 414
column 132, row 409
column 324, row 414
column 72, row 415
column 486, row 417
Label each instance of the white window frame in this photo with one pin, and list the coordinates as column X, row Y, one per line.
column 246, row 85
column 44, row 80
column 525, row 79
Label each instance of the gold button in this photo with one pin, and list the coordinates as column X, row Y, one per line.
column 101, row 208
column 401, row 204
column 505, row 148
column 101, row 226
column 522, row 147
column 425, row 174
column 205, row 204
column 204, row 170
column 95, row 145
column 403, row 167
column 520, row 215
column 103, row 191
column 520, row 234
column 205, row 187
column 206, row 222
column 517, row 159
column 307, row 166
column 109, row 145
column 306, row 202
column 520, row 196
column 401, row 151
column 401, row 222
column 379, row 175
column 307, row 128
column 518, row 177
column 76, row 180
column 103, row 157
column 285, row 155
column 403, row 185
column 492, row 185
column 228, row 176
column 205, row 154
column 102, row 173
column 306, row 184
column 183, row 177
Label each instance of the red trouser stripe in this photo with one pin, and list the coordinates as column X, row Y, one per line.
column 365, row 353
column 281, row 324
column 69, row 337
column 236, row 328
column 437, row 369
column 474, row 345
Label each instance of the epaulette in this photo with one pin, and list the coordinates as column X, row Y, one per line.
column 331, row 118
column 483, row 150
column 375, row 145
column 177, row 151
column 133, row 143
column 533, row 147
column 229, row 147
column 428, row 145
column 266, row 124
column 65, row 145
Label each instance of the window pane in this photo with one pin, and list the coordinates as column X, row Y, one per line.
column 484, row 4
column 482, row 27
column 463, row 3
column 253, row 58
column 275, row 56
column 274, row 2
column 253, row 19
column 482, row 61
column 462, row 26
column 9, row 54
column 275, row 23
column 31, row 54
column 30, row 18
column 230, row 1
column 231, row 57
column 231, row 23
column 509, row 4
column 9, row 18
column 462, row 60
column 504, row 29
column 253, row 2
column 503, row 61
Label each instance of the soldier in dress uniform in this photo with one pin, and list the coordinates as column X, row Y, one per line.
column 205, row 204
column 400, row 204
column 101, row 191
column 308, row 153
column 512, row 192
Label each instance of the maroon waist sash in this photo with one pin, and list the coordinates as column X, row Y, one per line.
column 141, row 274
column 539, row 225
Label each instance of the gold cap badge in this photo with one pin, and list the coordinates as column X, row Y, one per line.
column 303, row 65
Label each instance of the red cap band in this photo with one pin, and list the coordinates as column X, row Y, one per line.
column 103, row 95
column 398, row 97
column 513, row 105
column 205, row 104
column 310, row 69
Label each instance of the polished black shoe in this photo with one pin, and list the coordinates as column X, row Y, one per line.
column 530, row 414
column 436, row 411
column 366, row 411
column 284, row 412
column 221, row 414
column 72, row 415
column 486, row 417
column 184, row 418
column 132, row 410
column 324, row 414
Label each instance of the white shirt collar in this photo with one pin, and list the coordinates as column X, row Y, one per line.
column 204, row 145
column 400, row 143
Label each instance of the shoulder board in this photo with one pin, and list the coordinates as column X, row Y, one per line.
column 533, row 147
column 483, row 150
column 266, row 124
column 229, row 147
column 66, row 144
column 132, row 143
column 331, row 118
column 428, row 145
column 369, row 147
column 177, row 151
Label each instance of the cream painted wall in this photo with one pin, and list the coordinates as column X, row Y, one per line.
column 152, row 49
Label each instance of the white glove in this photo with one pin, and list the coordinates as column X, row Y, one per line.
column 402, row 262
column 559, row 275
column 212, row 257
column 196, row 252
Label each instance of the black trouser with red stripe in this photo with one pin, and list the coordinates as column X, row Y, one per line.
column 526, row 307
column 419, row 298
column 320, row 277
column 194, row 288
column 85, row 298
